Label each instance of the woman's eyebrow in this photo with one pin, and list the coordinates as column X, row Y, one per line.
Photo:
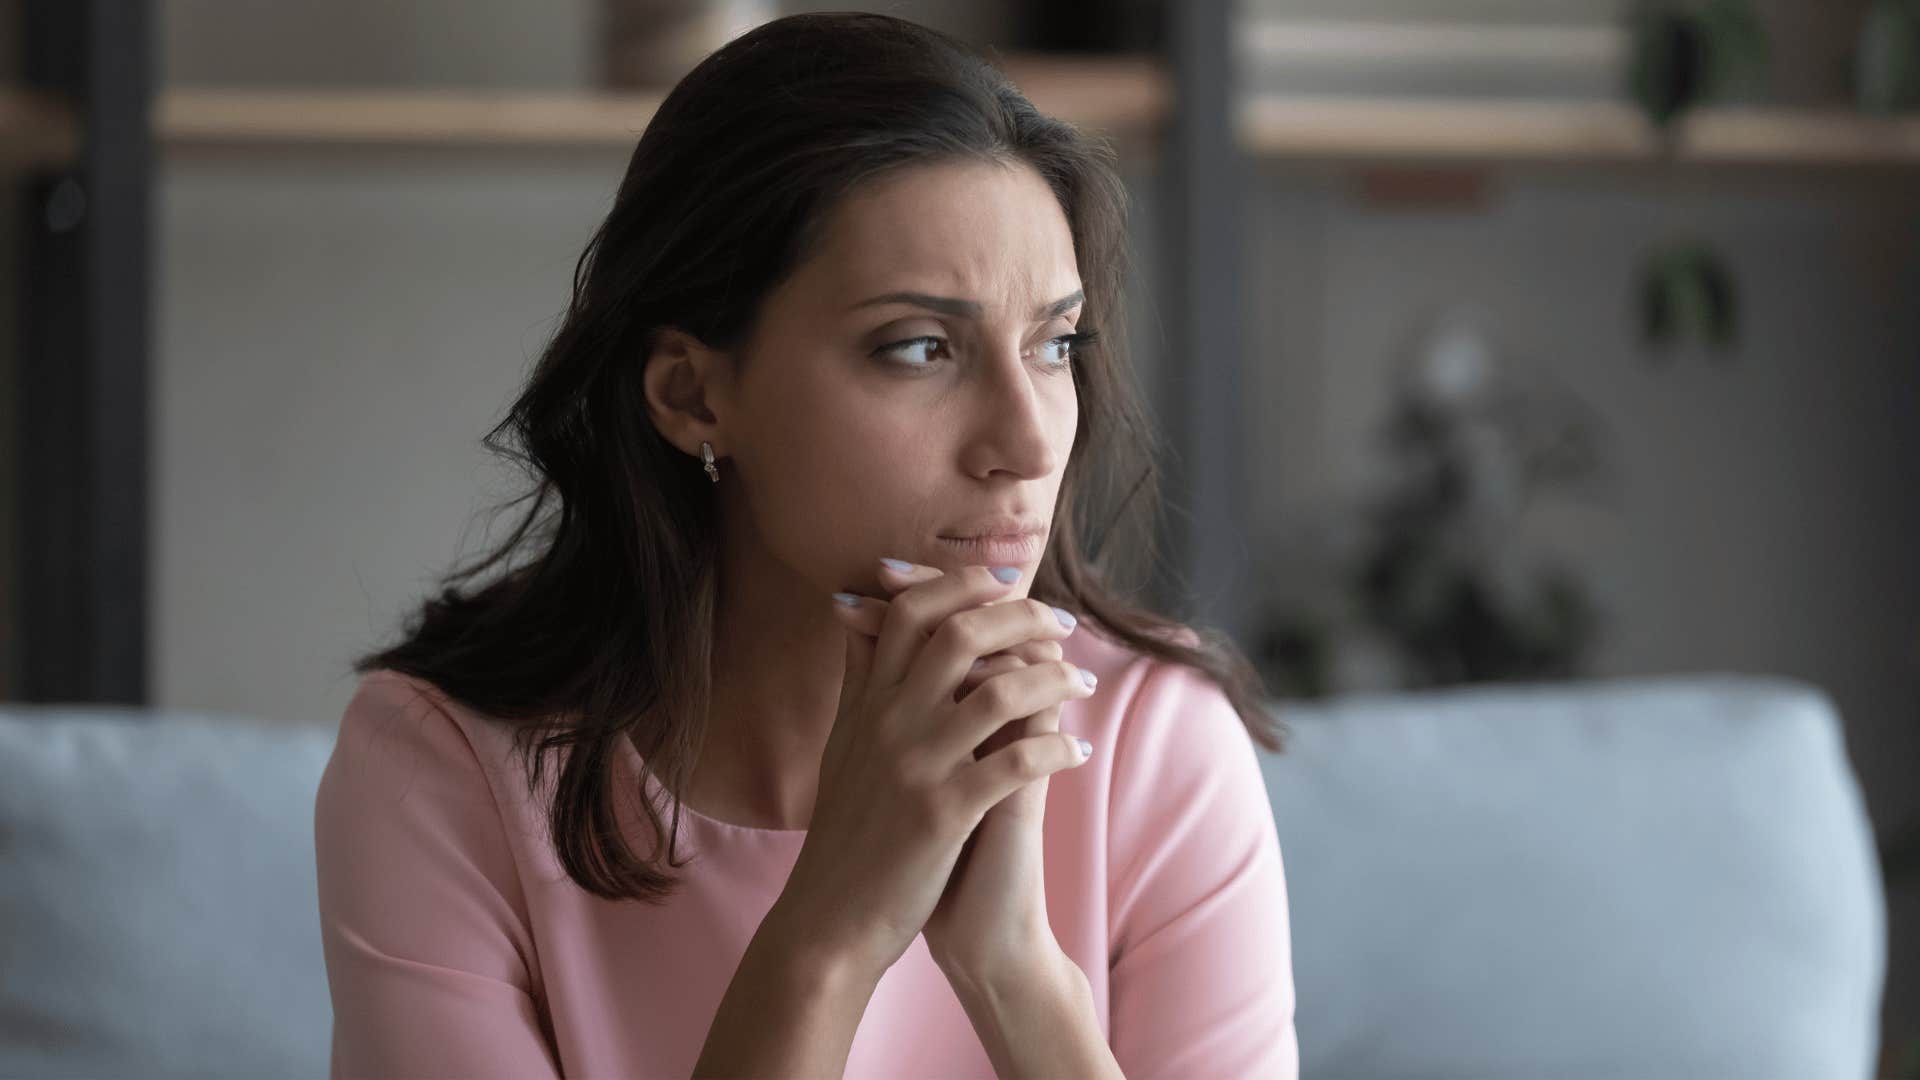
column 947, row 305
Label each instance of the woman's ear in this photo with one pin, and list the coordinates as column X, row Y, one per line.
column 686, row 385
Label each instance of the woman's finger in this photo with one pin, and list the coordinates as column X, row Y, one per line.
column 868, row 613
column 986, row 668
column 896, row 575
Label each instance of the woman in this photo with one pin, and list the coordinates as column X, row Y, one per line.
column 819, row 446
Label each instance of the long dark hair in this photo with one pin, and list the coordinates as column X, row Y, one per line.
column 598, row 625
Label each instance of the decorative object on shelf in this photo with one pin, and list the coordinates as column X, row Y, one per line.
column 1685, row 53
column 1426, row 586
column 1887, row 59
column 1686, row 290
column 1453, row 49
column 653, row 43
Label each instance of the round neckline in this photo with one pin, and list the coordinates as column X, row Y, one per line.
column 686, row 809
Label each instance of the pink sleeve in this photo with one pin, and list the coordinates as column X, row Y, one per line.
column 420, row 907
column 1201, row 983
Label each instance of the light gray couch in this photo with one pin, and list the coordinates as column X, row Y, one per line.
column 1641, row 878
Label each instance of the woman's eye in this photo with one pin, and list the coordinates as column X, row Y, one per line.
column 1071, row 344
column 902, row 348
column 1065, row 348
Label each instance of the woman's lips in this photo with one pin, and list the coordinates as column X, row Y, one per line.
column 998, row 550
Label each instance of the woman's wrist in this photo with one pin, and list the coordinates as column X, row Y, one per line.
column 1038, row 1020
column 1040, row 966
column 812, row 957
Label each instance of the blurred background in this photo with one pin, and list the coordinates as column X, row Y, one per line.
column 1496, row 341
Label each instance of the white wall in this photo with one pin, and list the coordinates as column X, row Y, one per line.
column 1767, row 511
column 336, row 333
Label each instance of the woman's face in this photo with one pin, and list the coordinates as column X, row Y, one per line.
column 904, row 385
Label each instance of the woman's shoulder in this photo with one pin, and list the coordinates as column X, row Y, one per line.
column 389, row 705
column 1098, row 647
column 416, row 869
column 1133, row 680
column 403, row 731
column 1168, row 731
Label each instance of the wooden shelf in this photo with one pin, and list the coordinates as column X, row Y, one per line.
column 1126, row 98
column 1123, row 97
column 1120, row 96
column 252, row 117
column 1364, row 130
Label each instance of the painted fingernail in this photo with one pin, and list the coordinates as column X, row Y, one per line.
column 1008, row 574
column 1086, row 748
column 1066, row 617
column 898, row 565
column 1089, row 678
column 979, row 663
column 848, row 599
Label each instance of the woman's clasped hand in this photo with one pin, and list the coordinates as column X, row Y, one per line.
column 933, row 781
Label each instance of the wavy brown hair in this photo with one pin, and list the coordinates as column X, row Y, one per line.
column 596, row 622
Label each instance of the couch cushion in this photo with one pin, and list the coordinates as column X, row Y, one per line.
column 1656, row 877
column 1637, row 878
column 157, row 890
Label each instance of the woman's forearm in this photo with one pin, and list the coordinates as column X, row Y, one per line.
column 1038, row 1023
column 789, row 1011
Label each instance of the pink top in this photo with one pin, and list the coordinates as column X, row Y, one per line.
column 456, row 945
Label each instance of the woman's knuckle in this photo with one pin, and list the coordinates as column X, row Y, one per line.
column 909, row 607
column 946, row 637
column 1027, row 755
column 969, row 633
column 996, row 697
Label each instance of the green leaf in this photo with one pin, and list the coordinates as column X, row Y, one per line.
column 1668, row 69
column 1687, row 290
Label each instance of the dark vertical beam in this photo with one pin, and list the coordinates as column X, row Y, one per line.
column 1201, row 377
column 82, row 618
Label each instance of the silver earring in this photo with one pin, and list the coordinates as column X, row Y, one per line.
column 706, row 454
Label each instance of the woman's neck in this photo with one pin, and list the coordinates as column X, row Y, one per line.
column 778, row 658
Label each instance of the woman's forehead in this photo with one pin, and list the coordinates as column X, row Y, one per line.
column 977, row 232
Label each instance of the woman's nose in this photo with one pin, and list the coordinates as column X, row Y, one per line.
column 1014, row 419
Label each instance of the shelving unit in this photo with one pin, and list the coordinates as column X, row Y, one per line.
column 1360, row 130
column 79, row 138
column 1176, row 106
column 1126, row 97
